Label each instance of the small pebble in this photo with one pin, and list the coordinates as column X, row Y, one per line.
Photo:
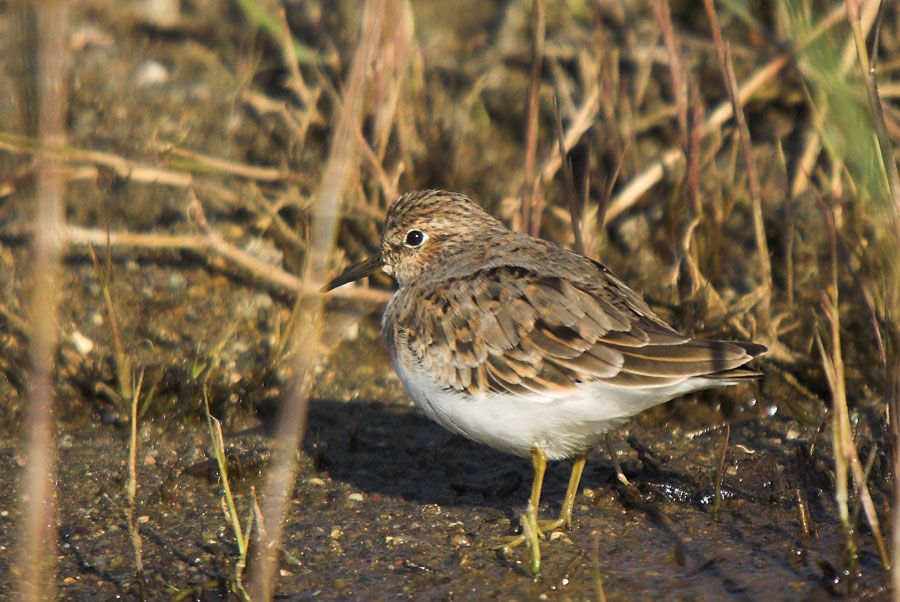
column 336, row 532
column 356, row 497
column 431, row 509
column 83, row 345
column 316, row 481
column 459, row 541
column 151, row 73
column 143, row 519
column 560, row 535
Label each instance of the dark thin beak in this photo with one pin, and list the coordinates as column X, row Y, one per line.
column 354, row 272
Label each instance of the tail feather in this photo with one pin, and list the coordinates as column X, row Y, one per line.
column 741, row 373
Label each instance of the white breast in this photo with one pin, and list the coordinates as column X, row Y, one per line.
column 563, row 425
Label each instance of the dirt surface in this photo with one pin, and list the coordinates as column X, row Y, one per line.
column 387, row 504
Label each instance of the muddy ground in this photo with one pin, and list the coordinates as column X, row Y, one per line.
column 387, row 504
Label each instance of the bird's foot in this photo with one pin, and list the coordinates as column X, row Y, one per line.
column 544, row 527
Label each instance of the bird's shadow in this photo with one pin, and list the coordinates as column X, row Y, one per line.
column 393, row 450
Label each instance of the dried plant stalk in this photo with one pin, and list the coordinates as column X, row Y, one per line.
column 38, row 528
column 341, row 161
column 762, row 247
column 846, row 456
column 532, row 201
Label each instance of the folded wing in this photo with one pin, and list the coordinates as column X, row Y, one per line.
column 509, row 330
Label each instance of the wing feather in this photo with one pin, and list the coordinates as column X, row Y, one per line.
column 509, row 330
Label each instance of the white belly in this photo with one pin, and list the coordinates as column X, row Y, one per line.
column 563, row 425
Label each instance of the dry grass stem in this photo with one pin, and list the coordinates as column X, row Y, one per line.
column 131, row 507
column 37, row 548
column 720, row 473
column 341, row 161
column 598, row 576
column 241, row 537
column 662, row 12
column 213, row 247
column 186, row 165
column 305, row 95
column 123, row 364
column 532, row 534
column 532, row 195
column 259, row 17
column 845, row 453
column 762, row 247
column 574, row 202
column 581, row 122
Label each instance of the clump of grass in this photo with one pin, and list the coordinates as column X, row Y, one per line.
column 849, row 120
column 846, row 456
column 130, row 396
column 241, row 536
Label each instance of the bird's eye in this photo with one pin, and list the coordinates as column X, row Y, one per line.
column 415, row 238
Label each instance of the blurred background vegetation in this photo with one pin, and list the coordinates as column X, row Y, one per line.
column 191, row 143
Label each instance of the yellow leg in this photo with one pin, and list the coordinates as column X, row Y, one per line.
column 539, row 466
column 565, row 513
column 530, row 529
column 533, row 529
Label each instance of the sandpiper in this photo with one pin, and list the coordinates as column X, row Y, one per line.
column 525, row 346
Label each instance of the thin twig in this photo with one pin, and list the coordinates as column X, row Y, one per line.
column 895, row 436
column 580, row 123
column 846, row 455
